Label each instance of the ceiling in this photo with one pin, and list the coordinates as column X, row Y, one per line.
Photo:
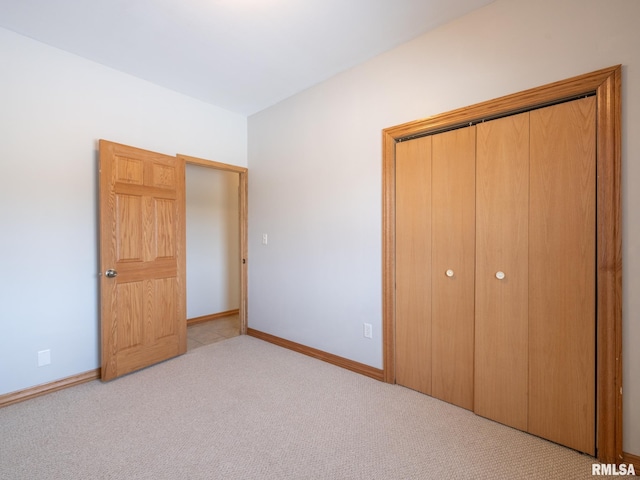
column 241, row 55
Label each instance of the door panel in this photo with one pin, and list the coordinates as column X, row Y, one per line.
column 165, row 217
column 453, row 237
column 143, row 314
column 562, row 274
column 502, row 205
column 413, row 264
column 129, row 311
column 129, row 234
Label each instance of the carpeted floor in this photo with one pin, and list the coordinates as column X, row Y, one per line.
column 246, row 409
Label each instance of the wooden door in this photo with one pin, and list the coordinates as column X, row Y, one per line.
column 501, row 330
column 606, row 84
column 453, row 265
column 562, row 259
column 413, row 264
column 142, row 239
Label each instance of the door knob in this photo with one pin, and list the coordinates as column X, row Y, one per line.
column 111, row 273
column 449, row 273
column 500, row 275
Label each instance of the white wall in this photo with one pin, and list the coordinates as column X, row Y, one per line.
column 54, row 107
column 315, row 162
column 213, row 241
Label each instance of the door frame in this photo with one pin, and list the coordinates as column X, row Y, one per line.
column 605, row 84
column 243, row 210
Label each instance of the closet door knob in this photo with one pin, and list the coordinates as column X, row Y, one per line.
column 500, row 275
column 449, row 273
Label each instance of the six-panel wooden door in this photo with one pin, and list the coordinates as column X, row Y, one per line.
column 142, row 258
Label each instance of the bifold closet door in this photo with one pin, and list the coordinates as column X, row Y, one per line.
column 535, row 272
column 435, row 265
column 562, row 256
column 502, row 287
column 453, row 265
column 413, row 264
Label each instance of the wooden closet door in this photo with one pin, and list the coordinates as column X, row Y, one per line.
column 453, row 265
column 562, row 236
column 413, row 264
column 502, row 205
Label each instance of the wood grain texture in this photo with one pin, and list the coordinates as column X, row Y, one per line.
column 130, row 234
column 501, row 330
column 243, row 207
column 342, row 362
column 50, row 387
column 575, row 86
column 142, row 233
column 166, row 293
column 413, row 264
column 213, row 316
column 609, row 262
column 164, row 238
column 244, row 250
column 562, row 257
column 606, row 83
column 212, row 164
column 632, row 459
column 389, row 257
column 453, row 202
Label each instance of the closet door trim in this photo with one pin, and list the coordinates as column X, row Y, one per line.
column 606, row 85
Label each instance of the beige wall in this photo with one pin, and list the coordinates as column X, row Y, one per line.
column 213, row 241
column 54, row 107
column 315, row 162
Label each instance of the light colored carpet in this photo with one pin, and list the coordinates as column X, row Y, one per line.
column 246, row 409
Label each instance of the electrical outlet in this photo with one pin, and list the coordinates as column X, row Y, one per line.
column 265, row 239
column 368, row 330
column 44, row 358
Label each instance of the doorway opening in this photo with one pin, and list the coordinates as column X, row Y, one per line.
column 216, row 250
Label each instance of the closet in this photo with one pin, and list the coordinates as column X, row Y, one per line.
column 435, row 238
column 495, row 269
